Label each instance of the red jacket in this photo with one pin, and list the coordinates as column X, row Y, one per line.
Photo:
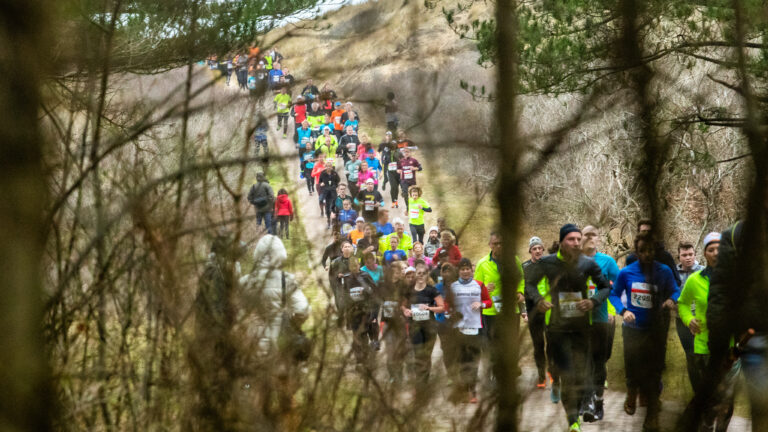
column 454, row 256
column 300, row 112
column 283, row 206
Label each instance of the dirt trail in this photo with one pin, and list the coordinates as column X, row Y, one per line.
column 538, row 413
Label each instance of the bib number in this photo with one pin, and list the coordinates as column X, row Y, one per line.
column 641, row 295
column 415, row 213
column 419, row 314
column 281, row 106
column 497, row 303
column 469, row 331
column 346, row 228
column 392, row 166
column 568, row 305
column 407, row 174
column 388, row 309
column 351, row 147
column 591, row 288
column 369, row 205
column 356, row 293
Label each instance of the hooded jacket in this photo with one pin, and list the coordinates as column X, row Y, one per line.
column 262, row 292
column 283, row 206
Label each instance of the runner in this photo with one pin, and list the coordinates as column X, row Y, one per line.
column 454, row 255
column 687, row 266
column 365, row 174
column 359, row 231
column 417, row 206
column 418, row 255
column 407, row 167
column 346, row 218
column 374, row 270
column 441, row 226
column 393, row 288
column 389, row 158
column 390, row 112
column 283, row 106
column 601, row 336
column 336, row 114
column 433, row 242
column 383, row 227
column 347, row 110
column 369, row 243
column 650, row 290
column 328, row 181
column 557, row 285
column 393, row 252
column 536, row 325
column 310, row 91
column 299, row 114
column 341, row 196
column 348, row 145
column 692, row 307
column 307, row 166
column 404, row 240
column 317, row 170
column 353, row 171
column 419, row 306
column 360, row 291
column 327, row 144
column 332, row 250
column 369, row 201
column 338, row 268
column 469, row 298
column 447, row 276
column 351, row 121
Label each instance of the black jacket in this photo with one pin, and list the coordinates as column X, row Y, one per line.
column 262, row 197
column 566, row 278
column 330, row 180
column 737, row 300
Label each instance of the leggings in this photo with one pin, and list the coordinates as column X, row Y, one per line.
column 417, row 233
column 536, row 328
column 570, row 350
column 601, row 344
column 329, row 196
column 644, row 354
column 310, row 180
column 422, row 341
column 282, row 226
column 394, row 184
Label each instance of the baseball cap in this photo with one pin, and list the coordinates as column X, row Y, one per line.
column 370, row 180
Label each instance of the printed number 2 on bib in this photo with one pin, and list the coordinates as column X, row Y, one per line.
column 641, row 295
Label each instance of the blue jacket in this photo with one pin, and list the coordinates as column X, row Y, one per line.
column 385, row 229
column 303, row 133
column 611, row 272
column 644, row 298
column 373, row 163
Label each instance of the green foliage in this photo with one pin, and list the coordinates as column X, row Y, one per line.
column 567, row 46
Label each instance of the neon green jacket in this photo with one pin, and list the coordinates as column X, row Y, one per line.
column 327, row 148
column 406, row 243
column 487, row 272
column 283, row 103
column 692, row 300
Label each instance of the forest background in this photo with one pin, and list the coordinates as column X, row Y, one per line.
column 122, row 158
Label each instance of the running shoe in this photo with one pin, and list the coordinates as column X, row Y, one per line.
column 551, row 380
column 396, row 205
column 554, row 394
column 393, row 204
column 285, row 136
column 576, row 427
column 599, row 411
column 588, row 413
column 541, row 383
column 301, row 176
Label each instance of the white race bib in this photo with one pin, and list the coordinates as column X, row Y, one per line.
column 369, row 205
column 641, row 295
column 282, row 105
column 392, row 166
column 568, row 305
column 356, row 293
column 388, row 309
column 497, row 303
column 418, row 314
column 470, row 331
column 346, row 228
column 351, row 147
column 337, row 119
column 591, row 288
column 415, row 212
column 407, row 173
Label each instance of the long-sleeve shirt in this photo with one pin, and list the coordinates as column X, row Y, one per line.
column 564, row 285
column 464, row 294
column 644, row 297
column 611, row 271
column 454, row 256
column 693, row 304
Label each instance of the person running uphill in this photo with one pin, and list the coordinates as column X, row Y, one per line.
column 407, row 167
column 557, row 285
column 650, row 290
column 418, row 206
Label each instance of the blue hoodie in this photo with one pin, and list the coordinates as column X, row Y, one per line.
column 644, row 298
column 611, row 272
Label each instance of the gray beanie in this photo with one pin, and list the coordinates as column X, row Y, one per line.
column 533, row 242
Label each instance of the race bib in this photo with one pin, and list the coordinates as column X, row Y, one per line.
column 392, row 166
column 641, row 295
column 369, row 205
column 337, row 119
column 415, row 213
column 407, row 174
column 591, row 288
column 418, row 314
column 469, row 331
column 388, row 309
column 351, row 147
column 568, row 305
column 497, row 303
column 346, row 228
column 356, row 293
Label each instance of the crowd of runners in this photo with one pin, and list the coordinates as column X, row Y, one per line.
column 399, row 286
